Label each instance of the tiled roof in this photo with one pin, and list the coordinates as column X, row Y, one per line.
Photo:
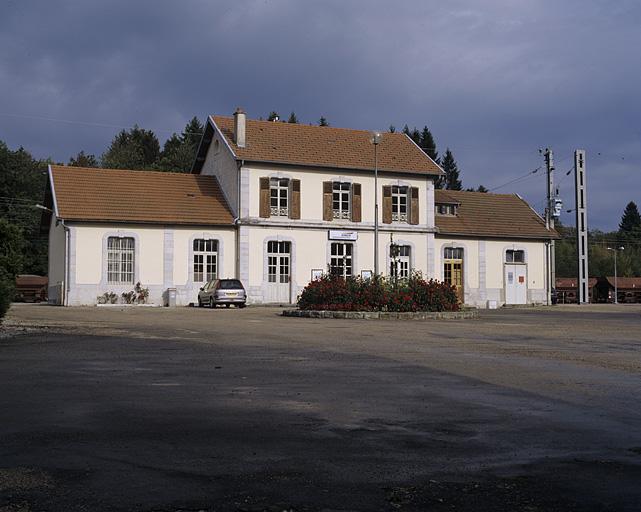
column 490, row 215
column 570, row 282
column 325, row 146
column 110, row 195
column 625, row 282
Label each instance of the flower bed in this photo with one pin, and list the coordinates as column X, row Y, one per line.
column 335, row 293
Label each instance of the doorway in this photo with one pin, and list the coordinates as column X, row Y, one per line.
column 278, row 272
column 453, row 270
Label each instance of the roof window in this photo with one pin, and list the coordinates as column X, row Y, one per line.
column 446, row 209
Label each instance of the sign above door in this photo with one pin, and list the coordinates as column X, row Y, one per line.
column 341, row 234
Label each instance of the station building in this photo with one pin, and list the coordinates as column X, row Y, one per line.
column 277, row 204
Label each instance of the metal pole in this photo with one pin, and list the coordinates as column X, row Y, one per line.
column 616, row 288
column 549, row 159
column 375, row 206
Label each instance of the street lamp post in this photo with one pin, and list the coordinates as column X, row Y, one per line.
column 376, row 139
column 616, row 288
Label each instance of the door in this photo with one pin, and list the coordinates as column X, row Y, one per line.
column 453, row 270
column 278, row 272
column 515, row 284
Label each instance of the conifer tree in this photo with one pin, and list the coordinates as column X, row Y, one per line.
column 323, row 122
column 451, row 179
column 392, row 128
column 83, row 159
column 273, row 116
column 630, row 225
column 428, row 145
column 292, row 118
column 179, row 151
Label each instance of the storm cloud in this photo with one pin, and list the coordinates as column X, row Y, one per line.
column 494, row 80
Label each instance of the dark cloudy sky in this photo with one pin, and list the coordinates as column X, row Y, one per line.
column 493, row 79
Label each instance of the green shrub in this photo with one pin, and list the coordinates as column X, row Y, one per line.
column 6, row 296
column 335, row 293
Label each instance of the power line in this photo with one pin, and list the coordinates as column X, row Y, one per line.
column 515, row 180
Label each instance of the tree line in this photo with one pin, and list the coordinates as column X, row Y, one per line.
column 600, row 258
column 23, row 244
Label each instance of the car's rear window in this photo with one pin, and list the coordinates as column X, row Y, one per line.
column 230, row 284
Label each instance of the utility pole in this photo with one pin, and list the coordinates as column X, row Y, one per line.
column 549, row 218
column 580, row 208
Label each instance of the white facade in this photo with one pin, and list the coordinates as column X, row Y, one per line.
column 275, row 252
column 163, row 258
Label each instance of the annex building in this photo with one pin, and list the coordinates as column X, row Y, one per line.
column 275, row 205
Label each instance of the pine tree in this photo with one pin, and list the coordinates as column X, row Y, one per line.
column 392, row 128
column 323, row 122
column 179, row 151
column 428, row 145
column 451, row 179
column 83, row 159
column 416, row 136
column 292, row 118
column 273, row 116
column 630, row 225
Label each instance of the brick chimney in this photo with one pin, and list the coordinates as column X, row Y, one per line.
column 239, row 127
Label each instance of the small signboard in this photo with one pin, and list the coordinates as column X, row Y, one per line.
column 341, row 234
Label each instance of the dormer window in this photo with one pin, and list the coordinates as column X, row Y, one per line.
column 446, row 209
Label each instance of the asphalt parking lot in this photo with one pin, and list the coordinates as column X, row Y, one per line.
column 149, row 409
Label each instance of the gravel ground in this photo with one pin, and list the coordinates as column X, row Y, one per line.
column 150, row 409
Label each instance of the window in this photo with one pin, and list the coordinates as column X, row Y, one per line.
column 512, row 256
column 205, row 260
column 340, row 263
column 400, row 264
column 278, row 196
column 453, row 253
column 340, row 200
column 399, row 203
column 446, row 209
column 278, row 261
column 120, row 260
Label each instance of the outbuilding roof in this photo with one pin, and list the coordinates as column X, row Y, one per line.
column 483, row 214
column 114, row 195
column 322, row 146
column 624, row 283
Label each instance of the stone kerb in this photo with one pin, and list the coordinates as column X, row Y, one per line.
column 383, row 315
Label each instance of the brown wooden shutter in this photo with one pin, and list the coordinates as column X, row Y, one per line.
column 414, row 208
column 327, row 200
column 264, row 210
column 387, row 204
column 294, row 204
column 356, row 202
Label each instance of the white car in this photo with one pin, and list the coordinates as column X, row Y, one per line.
column 222, row 291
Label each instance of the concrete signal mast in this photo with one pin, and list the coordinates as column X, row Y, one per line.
column 581, row 226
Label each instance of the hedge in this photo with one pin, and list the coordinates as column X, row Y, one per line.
column 335, row 293
column 6, row 296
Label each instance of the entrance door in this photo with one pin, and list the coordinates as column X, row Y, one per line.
column 453, row 270
column 278, row 272
column 515, row 284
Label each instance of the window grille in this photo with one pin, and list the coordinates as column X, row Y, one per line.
column 120, row 260
column 512, row 256
column 341, row 262
column 341, row 200
column 278, row 197
column 453, row 253
column 278, row 261
column 399, row 203
column 205, row 260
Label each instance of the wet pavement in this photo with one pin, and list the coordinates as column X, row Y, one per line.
column 149, row 409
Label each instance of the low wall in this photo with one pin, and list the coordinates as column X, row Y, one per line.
column 384, row 315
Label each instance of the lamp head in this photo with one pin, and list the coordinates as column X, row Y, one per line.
column 376, row 138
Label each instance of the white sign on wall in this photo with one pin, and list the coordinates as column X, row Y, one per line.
column 335, row 234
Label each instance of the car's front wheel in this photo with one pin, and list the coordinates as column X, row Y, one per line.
column 200, row 303
column 211, row 303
